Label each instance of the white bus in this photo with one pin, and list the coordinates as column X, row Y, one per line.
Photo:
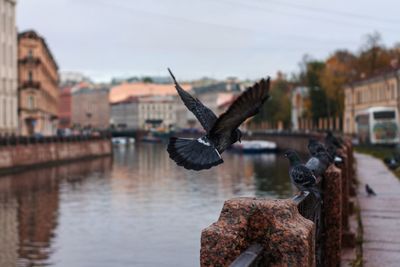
column 378, row 125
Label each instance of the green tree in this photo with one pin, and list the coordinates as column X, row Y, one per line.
column 277, row 107
column 147, row 80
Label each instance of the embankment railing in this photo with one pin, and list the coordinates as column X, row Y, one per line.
column 301, row 231
column 26, row 140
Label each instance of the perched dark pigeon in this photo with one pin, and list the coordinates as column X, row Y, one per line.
column 221, row 132
column 319, row 163
column 332, row 144
column 369, row 190
column 330, row 139
column 320, row 158
column 314, row 146
column 301, row 176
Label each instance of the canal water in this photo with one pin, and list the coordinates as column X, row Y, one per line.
column 135, row 209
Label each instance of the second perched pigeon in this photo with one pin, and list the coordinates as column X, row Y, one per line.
column 319, row 163
column 369, row 190
column 221, row 132
column 331, row 139
column 320, row 158
column 301, row 176
column 314, row 146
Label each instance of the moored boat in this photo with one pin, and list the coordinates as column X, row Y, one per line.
column 254, row 146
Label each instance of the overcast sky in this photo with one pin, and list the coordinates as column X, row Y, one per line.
column 196, row 38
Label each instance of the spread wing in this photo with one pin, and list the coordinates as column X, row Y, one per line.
column 245, row 106
column 204, row 115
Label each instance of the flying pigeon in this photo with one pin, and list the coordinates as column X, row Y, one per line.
column 369, row 190
column 301, row 176
column 221, row 132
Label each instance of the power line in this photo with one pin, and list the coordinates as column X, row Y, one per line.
column 336, row 12
column 289, row 37
column 302, row 16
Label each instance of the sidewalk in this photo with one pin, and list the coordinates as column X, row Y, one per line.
column 380, row 214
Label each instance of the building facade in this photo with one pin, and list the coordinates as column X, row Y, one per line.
column 125, row 114
column 299, row 98
column 64, row 108
column 145, row 112
column 378, row 91
column 90, row 108
column 8, row 68
column 157, row 112
column 38, row 86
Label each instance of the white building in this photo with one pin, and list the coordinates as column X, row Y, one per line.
column 299, row 97
column 8, row 68
column 145, row 112
column 161, row 110
column 72, row 78
column 125, row 114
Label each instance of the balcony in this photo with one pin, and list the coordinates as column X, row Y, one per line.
column 29, row 60
column 29, row 85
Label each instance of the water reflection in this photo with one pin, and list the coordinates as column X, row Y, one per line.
column 29, row 207
column 142, row 210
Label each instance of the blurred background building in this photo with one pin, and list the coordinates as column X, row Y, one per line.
column 38, row 86
column 90, row 107
column 8, row 68
column 65, row 108
column 300, row 97
column 70, row 78
column 125, row 114
column 380, row 90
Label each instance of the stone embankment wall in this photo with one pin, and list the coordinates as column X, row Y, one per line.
column 287, row 238
column 21, row 153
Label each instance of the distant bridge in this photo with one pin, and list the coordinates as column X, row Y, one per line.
column 283, row 139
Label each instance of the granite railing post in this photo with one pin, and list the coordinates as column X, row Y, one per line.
column 348, row 237
column 286, row 236
column 332, row 210
column 345, row 186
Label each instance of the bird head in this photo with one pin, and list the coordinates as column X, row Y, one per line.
column 292, row 156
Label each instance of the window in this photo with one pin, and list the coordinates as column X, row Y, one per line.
column 31, row 102
column 384, row 115
column 4, row 112
column 30, row 76
column 30, row 53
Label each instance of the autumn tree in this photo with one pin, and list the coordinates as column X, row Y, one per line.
column 339, row 70
column 373, row 57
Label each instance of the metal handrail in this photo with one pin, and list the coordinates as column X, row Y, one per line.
column 250, row 257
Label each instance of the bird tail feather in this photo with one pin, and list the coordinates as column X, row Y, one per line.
column 193, row 154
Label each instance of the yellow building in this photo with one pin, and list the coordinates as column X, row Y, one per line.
column 378, row 91
column 38, row 86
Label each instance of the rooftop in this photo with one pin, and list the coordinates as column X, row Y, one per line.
column 125, row 90
column 384, row 74
column 31, row 34
column 217, row 88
